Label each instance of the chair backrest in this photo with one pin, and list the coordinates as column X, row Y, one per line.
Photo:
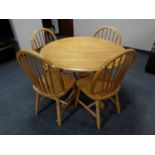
column 41, row 37
column 45, row 77
column 109, row 33
column 109, row 77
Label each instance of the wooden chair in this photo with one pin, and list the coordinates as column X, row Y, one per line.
column 105, row 83
column 109, row 33
column 41, row 37
column 47, row 81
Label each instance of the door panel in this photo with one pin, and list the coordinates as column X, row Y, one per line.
column 66, row 27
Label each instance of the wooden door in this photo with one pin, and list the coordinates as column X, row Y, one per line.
column 66, row 27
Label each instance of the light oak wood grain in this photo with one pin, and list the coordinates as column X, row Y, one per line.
column 82, row 54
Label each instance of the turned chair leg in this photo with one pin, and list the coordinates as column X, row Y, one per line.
column 58, row 109
column 37, row 104
column 77, row 97
column 98, row 114
column 75, row 76
column 117, row 104
column 102, row 106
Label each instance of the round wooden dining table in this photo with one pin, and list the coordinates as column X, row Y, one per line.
column 81, row 54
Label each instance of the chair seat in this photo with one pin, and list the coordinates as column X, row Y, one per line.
column 85, row 86
column 58, row 90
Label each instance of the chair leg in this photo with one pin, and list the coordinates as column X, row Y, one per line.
column 77, row 97
column 75, row 76
column 98, row 114
column 102, row 106
column 37, row 104
column 117, row 104
column 58, row 112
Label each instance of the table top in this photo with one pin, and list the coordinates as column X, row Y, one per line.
column 83, row 54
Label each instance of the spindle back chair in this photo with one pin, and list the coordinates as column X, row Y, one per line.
column 105, row 84
column 109, row 33
column 47, row 80
column 41, row 37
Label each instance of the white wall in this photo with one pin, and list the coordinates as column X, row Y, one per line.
column 23, row 29
column 55, row 23
column 138, row 34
